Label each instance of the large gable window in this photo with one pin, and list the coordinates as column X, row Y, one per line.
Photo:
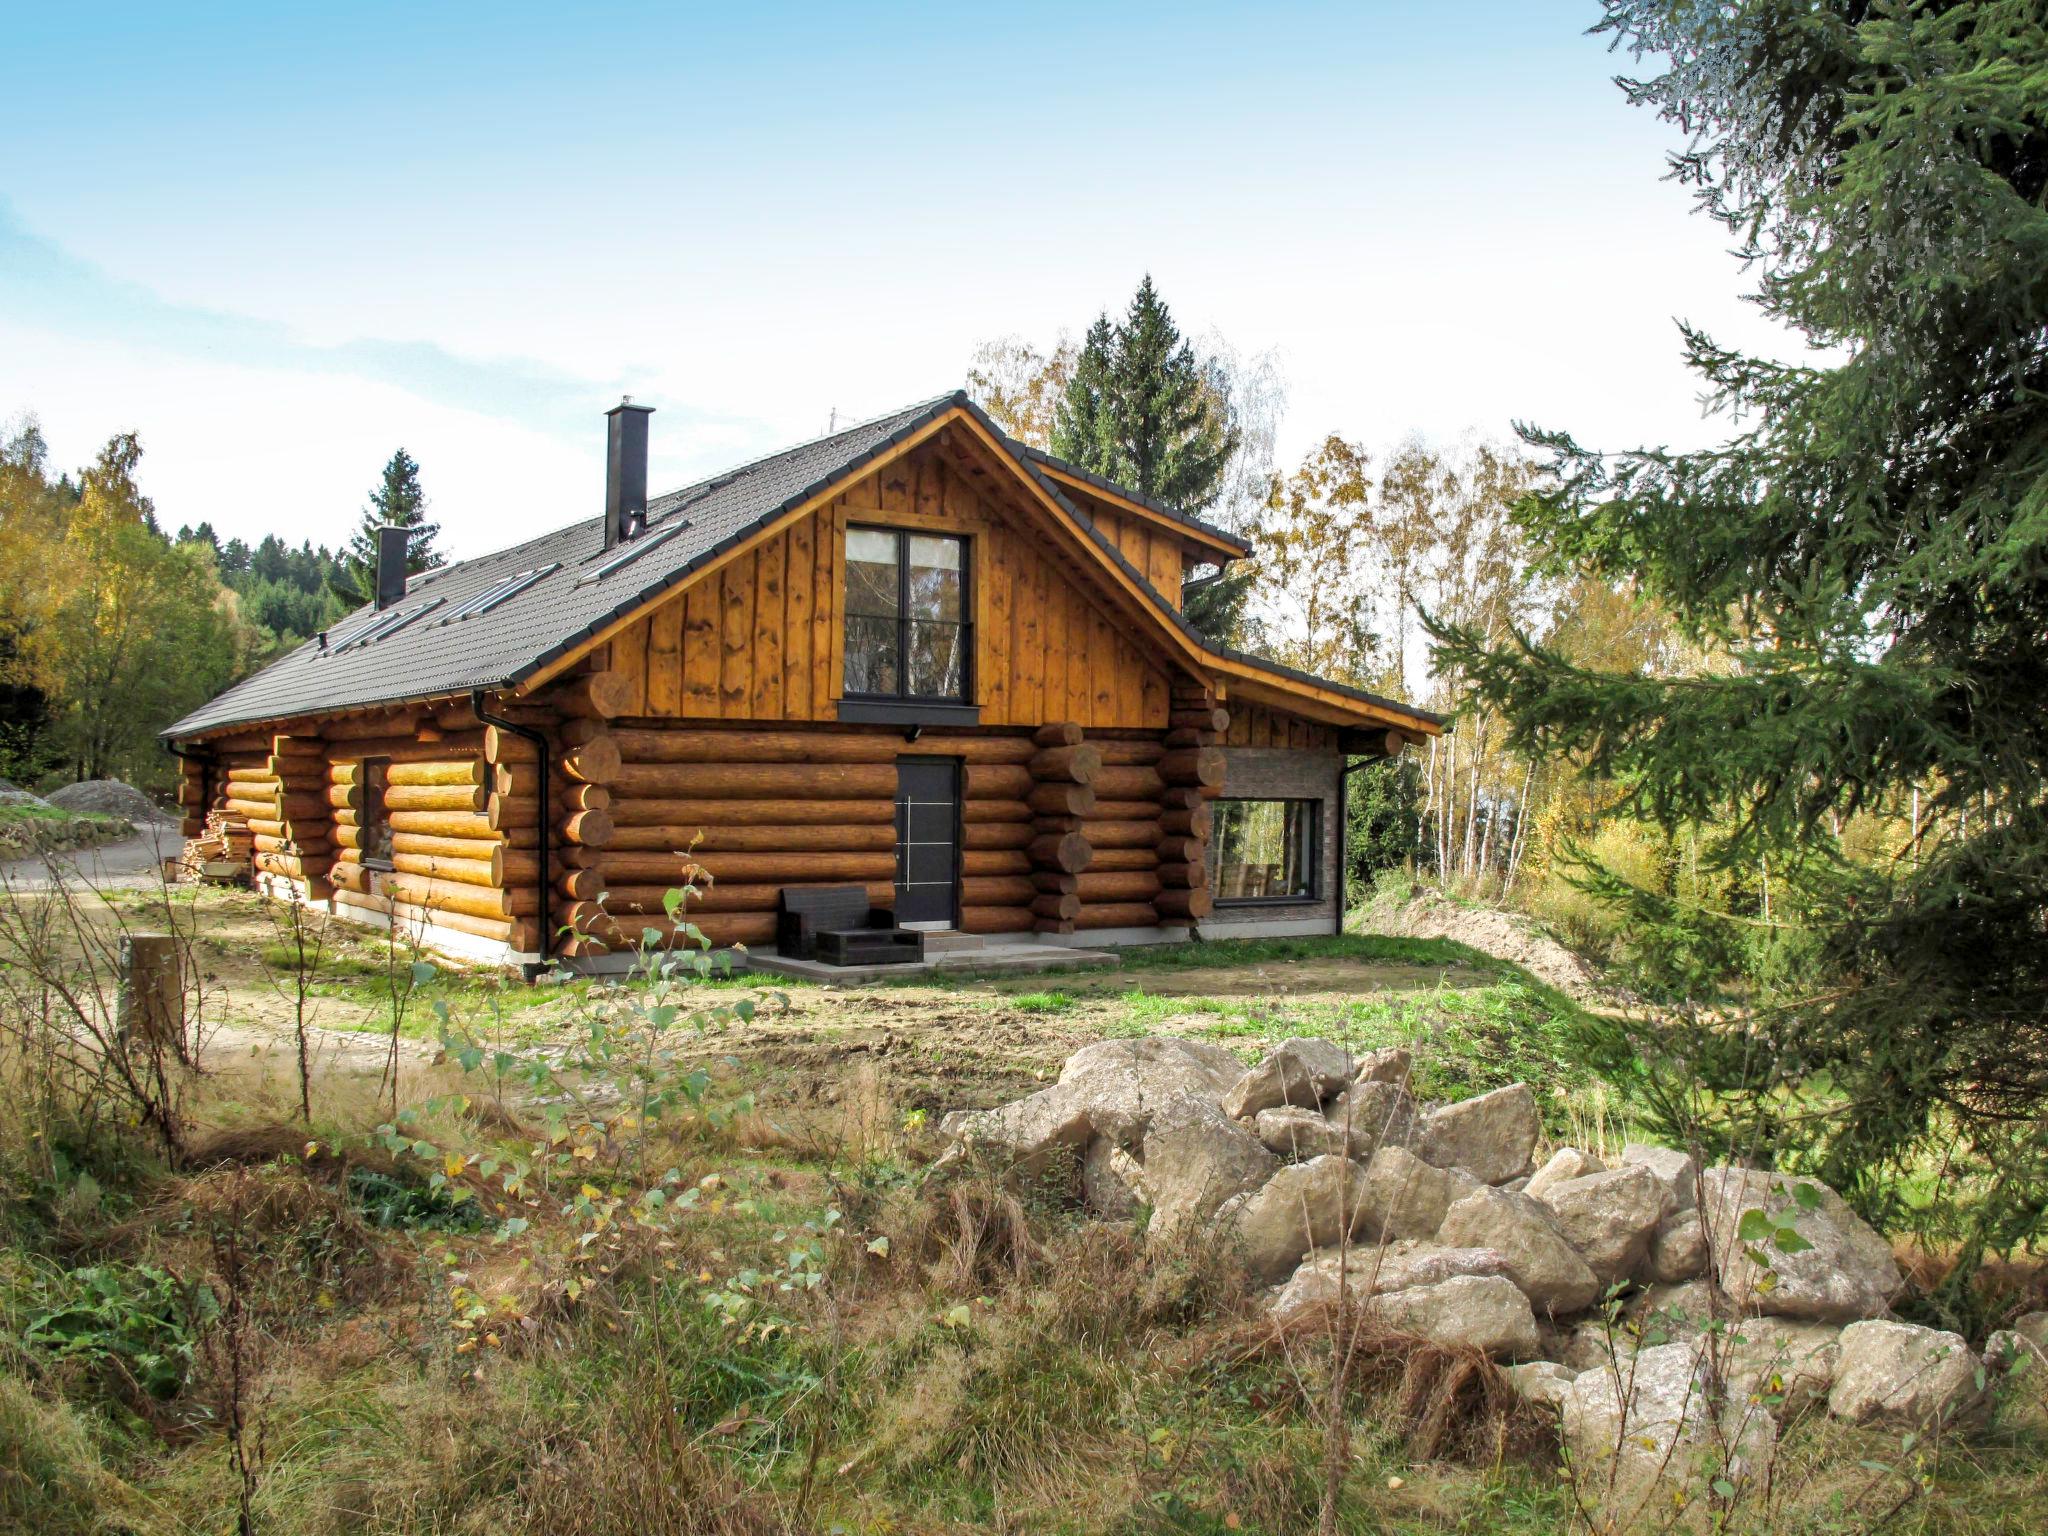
column 1265, row 850
column 907, row 631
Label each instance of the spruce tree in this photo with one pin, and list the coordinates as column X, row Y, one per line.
column 399, row 501
column 1141, row 410
column 1868, row 553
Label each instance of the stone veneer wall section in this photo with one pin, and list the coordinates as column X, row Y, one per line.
column 1269, row 773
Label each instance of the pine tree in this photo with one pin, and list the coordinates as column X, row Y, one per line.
column 1141, row 410
column 1869, row 555
column 398, row 501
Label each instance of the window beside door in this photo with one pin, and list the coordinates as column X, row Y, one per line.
column 376, row 820
column 907, row 631
column 1266, row 850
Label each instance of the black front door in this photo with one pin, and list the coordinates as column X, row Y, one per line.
column 927, row 839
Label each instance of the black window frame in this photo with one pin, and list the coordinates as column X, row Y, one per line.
column 374, row 774
column 962, row 700
column 1318, row 810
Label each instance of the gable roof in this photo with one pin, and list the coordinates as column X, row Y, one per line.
column 499, row 619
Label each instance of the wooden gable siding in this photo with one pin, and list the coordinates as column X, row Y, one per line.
column 1254, row 725
column 1154, row 553
column 760, row 637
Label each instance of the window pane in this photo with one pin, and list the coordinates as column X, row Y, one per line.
column 938, row 660
column 871, row 661
column 935, row 577
column 871, row 586
column 1265, row 849
column 376, row 823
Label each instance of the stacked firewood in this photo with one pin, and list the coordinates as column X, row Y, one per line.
column 1063, row 773
column 223, row 838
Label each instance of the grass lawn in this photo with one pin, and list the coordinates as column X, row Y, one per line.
column 812, row 1334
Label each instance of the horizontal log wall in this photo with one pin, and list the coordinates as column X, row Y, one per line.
column 741, row 814
column 1123, row 832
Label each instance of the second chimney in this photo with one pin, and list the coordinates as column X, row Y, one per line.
column 625, row 471
column 394, row 544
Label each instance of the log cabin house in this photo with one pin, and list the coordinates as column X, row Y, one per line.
column 913, row 654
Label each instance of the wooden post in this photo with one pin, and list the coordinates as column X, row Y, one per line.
column 150, row 1007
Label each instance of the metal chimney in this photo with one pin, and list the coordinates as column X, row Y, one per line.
column 393, row 545
column 625, row 471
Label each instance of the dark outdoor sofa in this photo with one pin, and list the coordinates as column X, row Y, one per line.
column 836, row 924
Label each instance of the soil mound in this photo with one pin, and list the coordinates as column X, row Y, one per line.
column 106, row 797
column 1506, row 936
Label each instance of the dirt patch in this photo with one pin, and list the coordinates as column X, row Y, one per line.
column 1504, row 935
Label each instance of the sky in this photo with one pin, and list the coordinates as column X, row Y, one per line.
column 280, row 241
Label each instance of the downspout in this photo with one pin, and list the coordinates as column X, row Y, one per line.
column 547, row 810
column 1343, row 828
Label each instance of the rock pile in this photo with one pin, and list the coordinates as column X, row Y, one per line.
column 1329, row 1179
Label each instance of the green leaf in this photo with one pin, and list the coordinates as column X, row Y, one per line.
column 1755, row 1227
column 1789, row 1241
column 1806, row 1196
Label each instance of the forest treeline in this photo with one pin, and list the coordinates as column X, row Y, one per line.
column 111, row 625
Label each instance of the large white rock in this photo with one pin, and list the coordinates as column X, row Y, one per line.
column 1897, row 1373
column 1483, row 1312
column 1678, row 1250
column 1609, row 1217
column 1373, row 1269
column 1847, row 1274
column 1540, row 1259
column 1677, row 1171
column 1564, row 1164
column 1492, row 1137
column 1120, row 1084
column 1296, row 1133
column 1406, row 1197
column 1303, row 1206
column 1300, row 1072
column 1649, row 1431
column 1195, row 1159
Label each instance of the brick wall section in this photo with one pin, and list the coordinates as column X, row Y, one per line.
column 1265, row 773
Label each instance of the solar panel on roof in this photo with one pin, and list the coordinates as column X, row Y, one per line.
column 389, row 624
column 645, row 544
column 501, row 591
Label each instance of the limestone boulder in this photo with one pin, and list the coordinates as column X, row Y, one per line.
column 1846, row 1275
column 1564, row 1164
column 1543, row 1382
column 1778, row 1363
column 1406, row 1197
column 1493, row 1136
column 1540, row 1258
column 1651, row 1432
column 1025, row 1138
column 1374, row 1115
column 1483, row 1312
column 1120, row 1084
column 1390, row 1064
column 1676, row 1170
column 1112, row 1181
column 1294, row 1133
column 1298, row 1072
column 1195, row 1158
column 1898, row 1373
column 1609, row 1217
column 1678, row 1250
column 1302, row 1206
column 1374, row 1269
